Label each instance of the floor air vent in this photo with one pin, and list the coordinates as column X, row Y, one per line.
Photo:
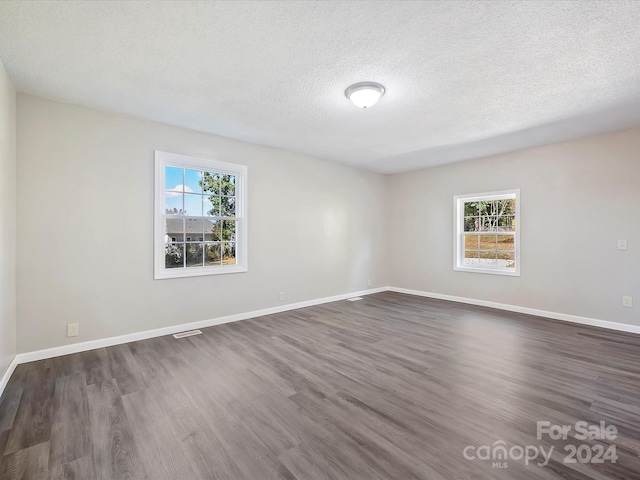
column 190, row 333
column 354, row 299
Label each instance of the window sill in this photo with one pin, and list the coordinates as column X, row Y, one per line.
column 490, row 271
column 199, row 272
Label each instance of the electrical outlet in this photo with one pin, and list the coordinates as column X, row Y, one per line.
column 622, row 244
column 72, row 329
column 282, row 296
column 369, row 283
column 627, row 302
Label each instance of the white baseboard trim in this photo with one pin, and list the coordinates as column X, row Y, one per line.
column 159, row 332
column 621, row 327
column 7, row 374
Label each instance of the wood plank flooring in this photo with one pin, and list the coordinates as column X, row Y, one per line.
column 389, row 387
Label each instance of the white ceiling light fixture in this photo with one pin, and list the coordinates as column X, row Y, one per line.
column 364, row 94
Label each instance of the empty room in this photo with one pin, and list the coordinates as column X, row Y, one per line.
column 320, row 240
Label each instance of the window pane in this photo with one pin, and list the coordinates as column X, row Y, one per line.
column 193, row 204
column 488, row 242
column 506, row 259
column 211, row 206
column 229, row 231
column 212, row 230
column 174, row 255
column 507, row 206
column 470, row 209
column 490, row 262
column 487, row 254
column 507, row 224
column 212, row 254
column 471, row 242
column 506, row 251
column 506, row 255
column 485, row 207
column 211, row 183
column 173, row 179
column 488, row 223
column 228, row 253
column 194, row 228
column 194, row 254
column 173, row 229
column 173, row 203
column 228, row 206
column 192, row 180
column 506, row 242
column 228, row 185
column 470, row 258
column 492, row 207
column 471, row 224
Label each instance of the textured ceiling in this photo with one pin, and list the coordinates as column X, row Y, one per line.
column 463, row 79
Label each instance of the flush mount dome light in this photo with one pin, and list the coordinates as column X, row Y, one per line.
column 364, row 94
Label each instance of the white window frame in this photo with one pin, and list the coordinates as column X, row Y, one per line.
column 163, row 160
column 458, row 232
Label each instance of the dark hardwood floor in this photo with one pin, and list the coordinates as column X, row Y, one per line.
column 389, row 387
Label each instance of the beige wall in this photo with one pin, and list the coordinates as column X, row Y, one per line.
column 577, row 199
column 7, row 221
column 85, row 227
column 315, row 228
